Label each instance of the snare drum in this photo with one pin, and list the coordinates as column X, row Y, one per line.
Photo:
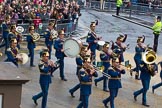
column 72, row 47
column 100, row 45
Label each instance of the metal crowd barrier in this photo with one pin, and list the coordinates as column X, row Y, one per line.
column 134, row 8
column 69, row 27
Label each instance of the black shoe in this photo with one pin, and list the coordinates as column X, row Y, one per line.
column 146, row 105
column 135, row 98
column 32, row 65
column 153, row 89
column 71, row 93
column 131, row 72
column 106, row 90
column 28, row 55
column 80, row 99
column 95, row 83
column 35, row 101
column 52, row 75
column 63, row 79
column 137, row 79
column 105, row 105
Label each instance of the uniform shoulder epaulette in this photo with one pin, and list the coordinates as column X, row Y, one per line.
column 110, row 68
column 8, row 49
column 41, row 62
column 102, row 52
column 57, row 39
column 78, row 56
column 45, row 33
column 17, row 49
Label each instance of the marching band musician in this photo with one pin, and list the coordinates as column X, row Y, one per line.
column 45, row 67
column 5, row 31
column 12, row 52
column 145, row 77
column 48, row 38
column 13, row 33
column 85, row 76
column 140, row 47
column 105, row 58
column 159, row 84
column 115, row 72
column 79, row 61
column 58, row 45
column 92, row 40
column 31, row 45
column 119, row 44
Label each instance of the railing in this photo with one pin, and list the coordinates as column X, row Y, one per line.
column 133, row 8
column 69, row 27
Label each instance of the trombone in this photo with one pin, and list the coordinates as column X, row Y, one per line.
column 101, row 70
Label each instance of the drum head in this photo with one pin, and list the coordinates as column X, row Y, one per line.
column 24, row 57
column 72, row 47
column 101, row 43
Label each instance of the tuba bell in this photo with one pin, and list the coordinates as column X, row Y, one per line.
column 149, row 56
column 19, row 29
column 35, row 36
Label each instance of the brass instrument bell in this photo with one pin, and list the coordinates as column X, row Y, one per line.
column 19, row 29
column 149, row 56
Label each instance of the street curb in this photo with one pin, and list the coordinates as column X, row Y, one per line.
column 149, row 27
column 132, row 21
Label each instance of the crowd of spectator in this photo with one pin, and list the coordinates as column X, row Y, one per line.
column 39, row 11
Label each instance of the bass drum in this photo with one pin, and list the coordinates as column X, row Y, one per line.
column 72, row 47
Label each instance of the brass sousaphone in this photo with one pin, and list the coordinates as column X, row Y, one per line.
column 149, row 57
column 35, row 36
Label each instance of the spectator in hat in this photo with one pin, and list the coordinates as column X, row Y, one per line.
column 156, row 31
column 37, row 20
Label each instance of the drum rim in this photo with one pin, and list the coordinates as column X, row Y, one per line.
column 78, row 41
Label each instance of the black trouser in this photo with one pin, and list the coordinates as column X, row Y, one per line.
column 117, row 10
column 156, row 37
